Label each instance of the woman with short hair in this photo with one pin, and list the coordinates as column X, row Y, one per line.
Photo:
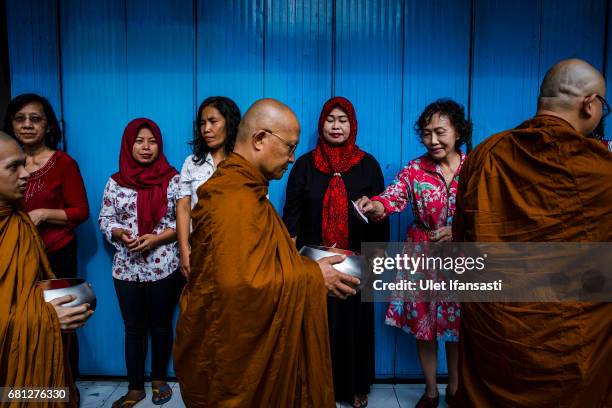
column 429, row 185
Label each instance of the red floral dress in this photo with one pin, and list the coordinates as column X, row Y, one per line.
column 421, row 184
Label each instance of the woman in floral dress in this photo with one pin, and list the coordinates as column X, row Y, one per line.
column 429, row 185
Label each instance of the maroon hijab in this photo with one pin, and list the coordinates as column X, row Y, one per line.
column 336, row 160
column 151, row 182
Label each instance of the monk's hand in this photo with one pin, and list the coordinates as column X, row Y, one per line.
column 70, row 318
column 443, row 234
column 184, row 253
column 38, row 216
column 337, row 283
column 146, row 242
column 370, row 208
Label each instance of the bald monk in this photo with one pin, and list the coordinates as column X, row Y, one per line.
column 252, row 330
column 543, row 181
column 31, row 350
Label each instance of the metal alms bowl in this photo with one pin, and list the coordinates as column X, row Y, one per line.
column 81, row 289
column 354, row 264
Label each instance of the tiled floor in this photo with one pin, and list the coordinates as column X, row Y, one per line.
column 102, row 394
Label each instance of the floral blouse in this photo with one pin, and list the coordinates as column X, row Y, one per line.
column 119, row 211
column 421, row 184
column 194, row 175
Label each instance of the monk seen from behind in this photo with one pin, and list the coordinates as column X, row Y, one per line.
column 545, row 181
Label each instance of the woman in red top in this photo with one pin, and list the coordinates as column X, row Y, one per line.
column 55, row 195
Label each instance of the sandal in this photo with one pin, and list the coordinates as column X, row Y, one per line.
column 125, row 403
column 156, row 399
column 360, row 401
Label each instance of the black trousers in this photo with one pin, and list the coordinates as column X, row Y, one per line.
column 148, row 307
column 64, row 265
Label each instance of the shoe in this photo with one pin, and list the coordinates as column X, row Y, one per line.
column 125, row 403
column 427, row 402
column 451, row 400
column 156, row 399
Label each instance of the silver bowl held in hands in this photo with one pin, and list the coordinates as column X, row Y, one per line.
column 354, row 264
column 81, row 289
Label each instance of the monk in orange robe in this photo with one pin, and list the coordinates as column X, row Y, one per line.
column 31, row 349
column 543, row 181
column 252, row 331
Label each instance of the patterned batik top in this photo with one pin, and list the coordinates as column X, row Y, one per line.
column 421, row 184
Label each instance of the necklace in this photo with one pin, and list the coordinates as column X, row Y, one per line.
column 38, row 160
column 449, row 172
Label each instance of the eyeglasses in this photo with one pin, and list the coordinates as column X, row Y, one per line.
column 605, row 107
column 291, row 146
column 36, row 120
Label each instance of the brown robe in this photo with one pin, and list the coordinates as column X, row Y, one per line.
column 31, row 350
column 539, row 182
column 252, row 331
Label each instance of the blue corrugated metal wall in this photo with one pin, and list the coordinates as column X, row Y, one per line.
column 102, row 63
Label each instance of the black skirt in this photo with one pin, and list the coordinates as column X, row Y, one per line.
column 351, row 337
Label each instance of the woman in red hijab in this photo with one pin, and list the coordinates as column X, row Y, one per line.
column 318, row 211
column 138, row 218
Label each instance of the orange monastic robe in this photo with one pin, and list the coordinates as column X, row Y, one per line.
column 31, row 350
column 539, row 182
column 252, row 331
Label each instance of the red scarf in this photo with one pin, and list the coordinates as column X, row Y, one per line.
column 336, row 160
column 151, row 182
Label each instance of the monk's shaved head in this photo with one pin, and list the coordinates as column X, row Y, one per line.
column 6, row 138
column 268, row 136
column 568, row 81
column 13, row 176
column 265, row 114
column 574, row 91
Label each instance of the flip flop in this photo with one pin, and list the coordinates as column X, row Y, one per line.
column 125, row 403
column 156, row 399
column 360, row 403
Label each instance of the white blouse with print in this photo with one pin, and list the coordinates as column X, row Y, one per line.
column 194, row 175
column 119, row 211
